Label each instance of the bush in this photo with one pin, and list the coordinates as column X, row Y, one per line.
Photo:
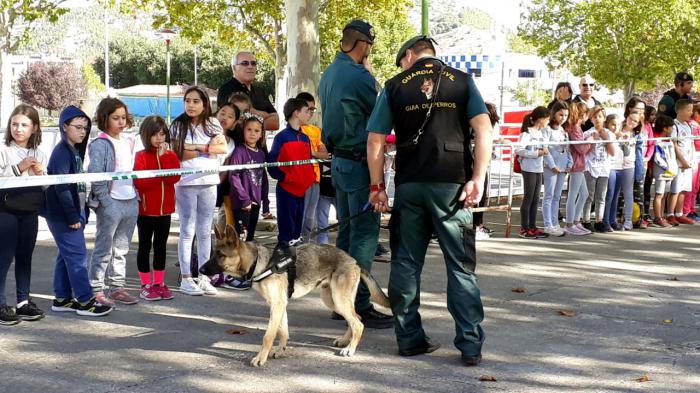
column 51, row 85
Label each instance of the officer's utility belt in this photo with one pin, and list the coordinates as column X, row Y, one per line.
column 357, row 156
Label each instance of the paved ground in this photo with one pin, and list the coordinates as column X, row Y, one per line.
column 635, row 295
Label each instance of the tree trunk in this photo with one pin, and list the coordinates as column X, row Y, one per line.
column 303, row 49
column 2, row 61
column 629, row 89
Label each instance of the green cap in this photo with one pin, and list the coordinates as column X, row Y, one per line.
column 683, row 77
column 408, row 44
column 363, row 27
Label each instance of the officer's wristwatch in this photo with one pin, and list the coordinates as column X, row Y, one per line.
column 377, row 187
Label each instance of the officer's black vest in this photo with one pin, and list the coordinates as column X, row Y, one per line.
column 442, row 153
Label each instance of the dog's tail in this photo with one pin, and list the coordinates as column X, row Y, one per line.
column 377, row 294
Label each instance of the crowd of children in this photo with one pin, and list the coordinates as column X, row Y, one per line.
column 604, row 164
column 198, row 138
column 618, row 168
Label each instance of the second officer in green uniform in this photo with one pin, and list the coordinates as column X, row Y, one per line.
column 347, row 92
column 433, row 109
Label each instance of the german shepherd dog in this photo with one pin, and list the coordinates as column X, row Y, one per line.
column 334, row 270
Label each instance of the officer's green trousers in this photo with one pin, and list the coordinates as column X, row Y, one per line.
column 419, row 210
column 358, row 237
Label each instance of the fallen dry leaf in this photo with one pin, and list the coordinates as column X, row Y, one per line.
column 673, row 279
column 487, row 378
column 644, row 378
column 518, row 290
column 566, row 313
column 237, row 331
column 668, row 320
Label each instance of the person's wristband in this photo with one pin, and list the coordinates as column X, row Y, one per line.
column 206, row 148
column 377, row 187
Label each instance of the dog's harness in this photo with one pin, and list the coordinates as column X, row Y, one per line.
column 288, row 265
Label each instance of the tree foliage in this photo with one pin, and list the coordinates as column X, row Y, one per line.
column 51, row 85
column 622, row 43
column 467, row 16
column 16, row 20
column 137, row 60
column 530, row 94
column 258, row 25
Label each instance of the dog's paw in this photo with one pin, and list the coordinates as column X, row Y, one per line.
column 347, row 352
column 258, row 361
column 341, row 342
column 280, row 352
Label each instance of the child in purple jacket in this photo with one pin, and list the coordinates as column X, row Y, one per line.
column 248, row 187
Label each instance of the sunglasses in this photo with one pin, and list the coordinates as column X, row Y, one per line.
column 588, row 84
column 246, row 63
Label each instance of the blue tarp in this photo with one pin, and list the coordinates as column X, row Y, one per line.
column 144, row 106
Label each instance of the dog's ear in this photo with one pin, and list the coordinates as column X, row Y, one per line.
column 231, row 233
column 217, row 232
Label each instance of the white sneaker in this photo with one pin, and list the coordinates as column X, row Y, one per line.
column 582, row 229
column 204, row 284
column 189, row 287
column 481, row 234
column 554, row 231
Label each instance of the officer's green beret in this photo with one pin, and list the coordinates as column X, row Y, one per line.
column 363, row 27
column 408, row 44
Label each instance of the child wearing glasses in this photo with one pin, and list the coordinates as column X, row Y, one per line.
column 66, row 216
column 318, row 150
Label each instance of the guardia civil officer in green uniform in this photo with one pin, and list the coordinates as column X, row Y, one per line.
column 433, row 109
column 347, row 93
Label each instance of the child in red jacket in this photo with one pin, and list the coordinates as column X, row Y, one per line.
column 291, row 144
column 157, row 204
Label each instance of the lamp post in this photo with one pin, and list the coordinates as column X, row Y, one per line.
column 106, row 23
column 167, row 35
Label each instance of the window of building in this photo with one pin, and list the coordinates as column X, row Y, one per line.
column 526, row 73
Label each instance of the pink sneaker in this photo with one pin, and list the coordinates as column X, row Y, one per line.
column 164, row 292
column 572, row 230
column 101, row 298
column 150, row 293
column 122, row 296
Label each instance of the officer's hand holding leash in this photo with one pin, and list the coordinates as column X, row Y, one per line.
column 379, row 200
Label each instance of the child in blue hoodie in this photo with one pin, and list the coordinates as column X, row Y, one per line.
column 66, row 217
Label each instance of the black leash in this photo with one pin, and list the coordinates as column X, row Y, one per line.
column 365, row 209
